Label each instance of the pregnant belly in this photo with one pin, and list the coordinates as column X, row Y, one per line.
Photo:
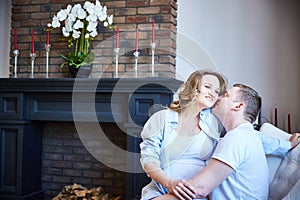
column 186, row 169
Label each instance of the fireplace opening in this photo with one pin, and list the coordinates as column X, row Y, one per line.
column 66, row 161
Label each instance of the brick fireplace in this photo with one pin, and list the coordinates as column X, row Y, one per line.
column 41, row 148
column 65, row 160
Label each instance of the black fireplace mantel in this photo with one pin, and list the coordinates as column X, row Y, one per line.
column 51, row 99
column 24, row 103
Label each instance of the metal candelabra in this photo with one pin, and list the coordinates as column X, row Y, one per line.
column 16, row 53
column 117, row 61
column 47, row 47
column 32, row 55
column 136, row 56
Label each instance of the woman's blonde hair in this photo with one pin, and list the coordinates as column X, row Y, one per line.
column 189, row 90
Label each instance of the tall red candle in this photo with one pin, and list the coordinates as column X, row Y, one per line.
column 137, row 39
column 153, row 32
column 117, row 37
column 275, row 118
column 48, row 34
column 32, row 41
column 48, row 38
column 289, row 123
column 15, row 39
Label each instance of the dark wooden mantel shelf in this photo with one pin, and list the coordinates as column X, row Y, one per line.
column 66, row 84
column 25, row 103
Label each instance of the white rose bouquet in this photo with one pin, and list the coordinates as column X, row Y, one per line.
column 79, row 27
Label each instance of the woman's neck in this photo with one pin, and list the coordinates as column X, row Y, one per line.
column 191, row 112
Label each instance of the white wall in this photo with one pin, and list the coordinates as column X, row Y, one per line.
column 255, row 42
column 5, row 12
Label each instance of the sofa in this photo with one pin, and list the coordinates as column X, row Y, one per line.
column 284, row 177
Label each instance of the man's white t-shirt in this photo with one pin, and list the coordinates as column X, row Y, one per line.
column 241, row 148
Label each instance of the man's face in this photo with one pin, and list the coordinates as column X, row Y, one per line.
column 226, row 103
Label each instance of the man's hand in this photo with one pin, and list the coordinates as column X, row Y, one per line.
column 181, row 189
column 295, row 139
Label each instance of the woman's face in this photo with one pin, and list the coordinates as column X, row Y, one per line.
column 209, row 90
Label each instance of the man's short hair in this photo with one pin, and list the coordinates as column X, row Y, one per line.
column 252, row 100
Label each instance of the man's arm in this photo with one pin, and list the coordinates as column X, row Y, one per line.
column 294, row 140
column 276, row 141
column 279, row 147
column 208, row 179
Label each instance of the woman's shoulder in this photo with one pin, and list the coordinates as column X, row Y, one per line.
column 157, row 122
column 165, row 115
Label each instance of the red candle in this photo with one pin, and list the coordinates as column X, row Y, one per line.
column 32, row 41
column 289, row 123
column 15, row 39
column 48, row 38
column 153, row 33
column 137, row 39
column 275, row 118
column 48, row 34
column 117, row 37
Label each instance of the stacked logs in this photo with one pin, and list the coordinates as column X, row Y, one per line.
column 79, row 192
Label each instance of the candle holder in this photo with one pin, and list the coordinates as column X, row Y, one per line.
column 47, row 47
column 117, row 61
column 32, row 55
column 16, row 53
column 153, row 50
column 136, row 56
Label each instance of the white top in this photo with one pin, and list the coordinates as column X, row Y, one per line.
column 241, row 148
column 188, row 155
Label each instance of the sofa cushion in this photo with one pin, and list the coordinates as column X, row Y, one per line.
column 273, row 161
column 286, row 183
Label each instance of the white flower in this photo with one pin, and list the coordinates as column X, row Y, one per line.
column 69, row 25
column 72, row 17
column 98, row 7
column 105, row 24
column 75, row 9
column 65, row 32
column 76, row 34
column 91, row 26
column 81, row 14
column 55, row 22
column 91, row 18
column 62, row 15
column 101, row 13
column 78, row 24
column 89, row 7
column 110, row 19
column 98, row 3
column 69, row 8
column 94, row 33
column 87, row 36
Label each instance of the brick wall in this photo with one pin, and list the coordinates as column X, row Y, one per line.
column 66, row 161
column 28, row 15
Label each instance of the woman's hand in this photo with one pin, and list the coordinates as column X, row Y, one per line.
column 181, row 189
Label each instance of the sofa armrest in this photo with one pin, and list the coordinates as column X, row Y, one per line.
column 273, row 161
column 273, row 131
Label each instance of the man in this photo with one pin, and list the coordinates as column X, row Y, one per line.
column 238, row 168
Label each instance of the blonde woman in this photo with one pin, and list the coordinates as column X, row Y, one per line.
column 179, row 141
